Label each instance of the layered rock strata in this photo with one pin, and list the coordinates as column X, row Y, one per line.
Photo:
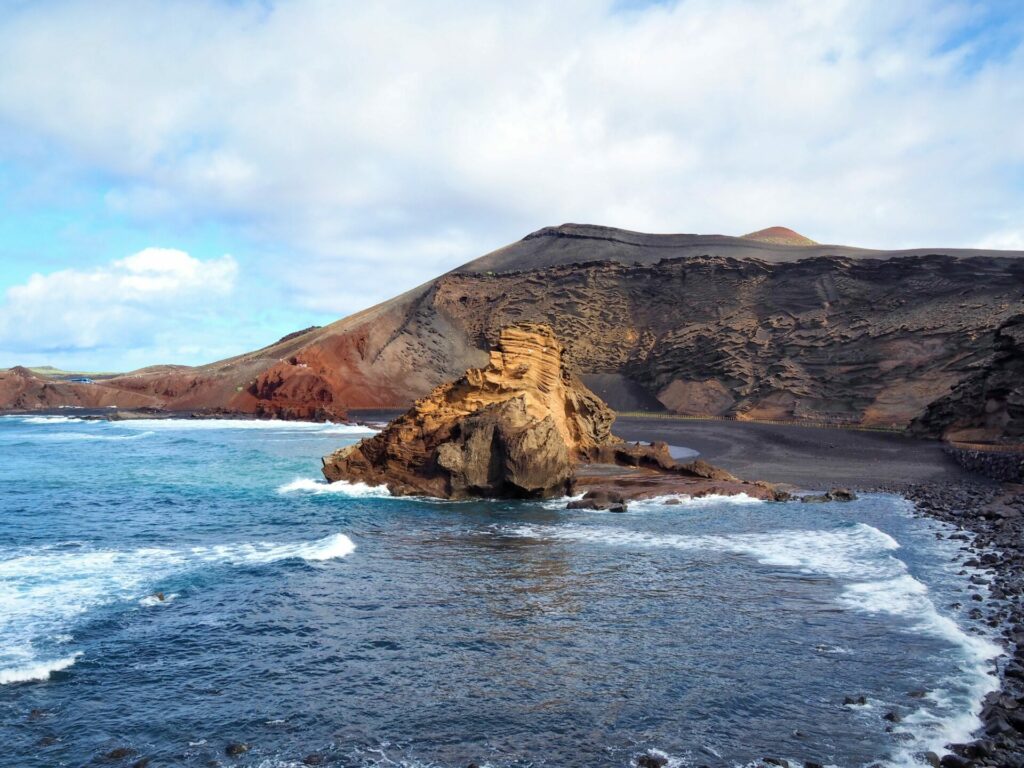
column 522, row 427
column 769, row 326
column 514, row 428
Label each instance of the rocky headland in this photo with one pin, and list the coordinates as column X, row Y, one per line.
column 523, row 426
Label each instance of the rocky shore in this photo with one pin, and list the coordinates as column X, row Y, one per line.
column 990, row 519
column 524, row 426
column 988, row 514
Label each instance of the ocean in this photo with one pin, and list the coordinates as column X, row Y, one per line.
column 169, row 588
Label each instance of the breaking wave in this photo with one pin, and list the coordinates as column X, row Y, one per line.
column 173, row 424
column 871, row 580
column 342, row 487
column 45, row 590
column 47, row 419
column 36, row 671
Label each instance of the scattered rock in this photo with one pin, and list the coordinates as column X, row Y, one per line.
column 236, row 749
column 836, row 494
column 315, row 759
column 120, row 753
column 651, row 760
column 599, row 499
column 859, row 701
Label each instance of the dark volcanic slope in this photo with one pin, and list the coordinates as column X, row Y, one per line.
column 707, row 324
column 574, row 243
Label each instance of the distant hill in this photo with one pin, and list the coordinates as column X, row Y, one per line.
column 779, row 236
column 769, row 325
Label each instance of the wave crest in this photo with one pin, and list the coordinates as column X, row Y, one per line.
column 37, row 671
column 342, row 487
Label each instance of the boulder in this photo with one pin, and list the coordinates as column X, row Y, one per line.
column 600, row 499
column 836, row 494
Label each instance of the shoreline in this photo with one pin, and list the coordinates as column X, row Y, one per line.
column 819, row 458
column 922, row 472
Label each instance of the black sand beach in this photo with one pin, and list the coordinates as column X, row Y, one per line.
column 809, row 457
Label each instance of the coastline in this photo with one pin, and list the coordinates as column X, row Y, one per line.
column 988, row 515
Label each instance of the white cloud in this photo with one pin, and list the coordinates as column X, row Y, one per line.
column 384, row 142
column 131, row 303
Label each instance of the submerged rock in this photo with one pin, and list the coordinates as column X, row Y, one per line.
column 600, row 499
column 651, row 760
column 836, row 494
column 236, row 749
column 514, row 428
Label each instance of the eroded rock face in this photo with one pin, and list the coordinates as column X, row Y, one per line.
column 514, row 428
column 987, row 406
column 767, row 326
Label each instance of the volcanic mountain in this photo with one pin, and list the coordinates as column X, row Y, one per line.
column 770, row 326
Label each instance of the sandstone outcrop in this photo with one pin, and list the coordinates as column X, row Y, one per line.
column 514, row 428
column 524, row 426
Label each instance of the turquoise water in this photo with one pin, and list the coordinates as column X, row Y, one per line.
column 336, row 624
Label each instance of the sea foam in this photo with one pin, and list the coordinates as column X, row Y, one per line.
column 48, row 419
column 44, row 591
column 36, row 671
column 173, row 424
column 342, row 487
column 872, row 580
column 328, row 428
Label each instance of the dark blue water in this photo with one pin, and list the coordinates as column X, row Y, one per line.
column 337, row 624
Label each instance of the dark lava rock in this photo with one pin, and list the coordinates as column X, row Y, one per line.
column 314, row 759
column 600, row 499
column 236, row 749
column 836, row 494
column 892, row 717
column 812, row 764
column 859, row 701
column 120, row 753
column 651, row 760
column 776, row 761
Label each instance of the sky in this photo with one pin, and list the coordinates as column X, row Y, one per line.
column 181, row 181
